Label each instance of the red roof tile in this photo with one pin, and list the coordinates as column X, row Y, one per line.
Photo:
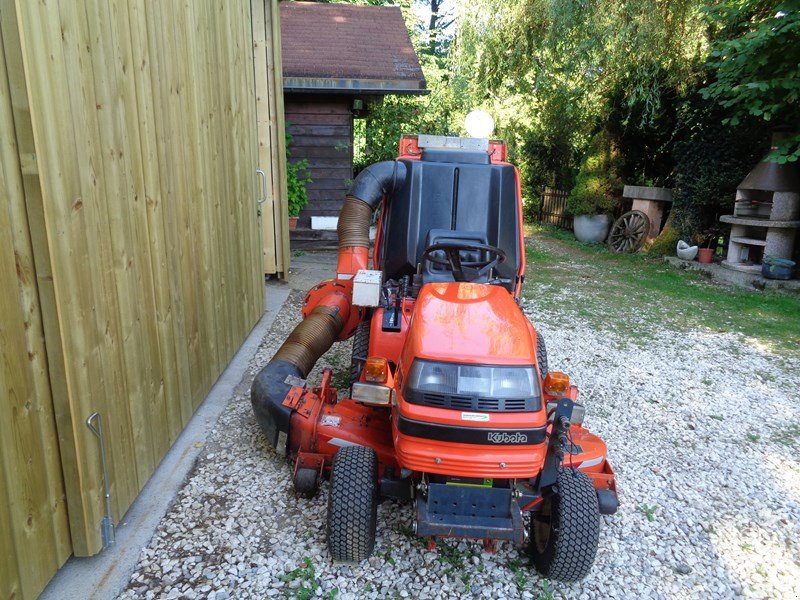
column 347, row 42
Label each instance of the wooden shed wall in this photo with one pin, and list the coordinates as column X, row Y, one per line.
column 271, row 134
column 322, row 133
column 34, row 531
column 134, row 267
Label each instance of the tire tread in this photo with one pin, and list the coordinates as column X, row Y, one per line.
column 353, row 504
column 574, row 545
column 541, row 354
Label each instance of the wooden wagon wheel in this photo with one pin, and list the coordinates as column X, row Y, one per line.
column 629, row 232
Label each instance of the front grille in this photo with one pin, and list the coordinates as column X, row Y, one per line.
column 476, row 403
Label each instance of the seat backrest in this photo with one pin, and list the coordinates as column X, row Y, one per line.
column 439, row 193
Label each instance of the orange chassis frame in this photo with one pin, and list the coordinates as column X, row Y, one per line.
column 320, row 424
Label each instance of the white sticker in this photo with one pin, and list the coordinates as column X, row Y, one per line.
column 467, row 416
column 330, row 420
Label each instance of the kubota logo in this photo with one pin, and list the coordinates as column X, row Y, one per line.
column 501, row 437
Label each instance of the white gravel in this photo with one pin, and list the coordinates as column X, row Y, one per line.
column 698, row 429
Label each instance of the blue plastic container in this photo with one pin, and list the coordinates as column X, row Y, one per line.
column 777, row 268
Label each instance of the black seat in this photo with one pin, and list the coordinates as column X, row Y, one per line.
column 457, row 198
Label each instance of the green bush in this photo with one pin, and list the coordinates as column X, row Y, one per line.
column 297, row 178
column 598, row 186
column 666, row 242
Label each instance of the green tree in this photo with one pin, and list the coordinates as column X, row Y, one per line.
column 757, row 62
column 547, row 70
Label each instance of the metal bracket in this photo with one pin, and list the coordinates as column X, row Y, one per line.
column 556, row 444
column 95, row 425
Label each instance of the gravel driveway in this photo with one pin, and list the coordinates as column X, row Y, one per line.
column 703, row 429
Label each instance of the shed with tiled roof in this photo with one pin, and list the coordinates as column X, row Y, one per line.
column 337, row 59
column 347, row 48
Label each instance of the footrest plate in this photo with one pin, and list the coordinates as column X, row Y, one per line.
column 469, row 512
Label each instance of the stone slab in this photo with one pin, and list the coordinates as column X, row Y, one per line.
column 642, row 192
column 738, row 278
column 758, row 222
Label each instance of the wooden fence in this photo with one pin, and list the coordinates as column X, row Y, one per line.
column 131, row 262
column 553, row 207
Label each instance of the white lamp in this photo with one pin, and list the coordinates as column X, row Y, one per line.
column 479, row 124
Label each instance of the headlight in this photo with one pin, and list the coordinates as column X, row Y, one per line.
column 370, row 393
column 472, row 380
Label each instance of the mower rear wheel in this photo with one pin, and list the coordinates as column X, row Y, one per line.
column 353, row 504
column 565, row 532
column 541, row 354
column 360, row 350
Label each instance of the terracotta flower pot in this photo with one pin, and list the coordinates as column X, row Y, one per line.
column 704, row 255
column 293, row 223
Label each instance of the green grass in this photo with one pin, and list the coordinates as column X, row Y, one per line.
column 450, row 554
column 520, row 570
column 547, row 591
column 308, row 581
column 789, row 435
column 626, row 291
column 650, row 511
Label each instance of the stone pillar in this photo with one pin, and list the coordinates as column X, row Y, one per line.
column 785, row 206
column 652, row 202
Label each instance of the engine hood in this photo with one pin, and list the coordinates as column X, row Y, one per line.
column 469, row 323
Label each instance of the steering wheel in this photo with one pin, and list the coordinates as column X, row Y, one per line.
column 464, row 270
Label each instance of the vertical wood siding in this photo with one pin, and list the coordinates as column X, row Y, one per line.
column 131, row 262
column 34, row 532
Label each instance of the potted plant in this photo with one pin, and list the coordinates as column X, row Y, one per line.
column 297, row 178
column 597, row 190
column 709, row 240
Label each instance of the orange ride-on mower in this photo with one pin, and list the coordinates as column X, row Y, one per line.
column 451, row 406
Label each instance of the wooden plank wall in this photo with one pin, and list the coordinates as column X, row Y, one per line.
column 34, row 532
column 322, row 133
column 129, row 150
column 271, row 134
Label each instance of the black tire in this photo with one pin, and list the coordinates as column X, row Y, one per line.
column 306, row 482
column 360, row 350
column 353, row 504
column 541, row 354
column 565, row 532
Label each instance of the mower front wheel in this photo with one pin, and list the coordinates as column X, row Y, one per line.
column 565, row 532
column 541, row 355
column 353, row 504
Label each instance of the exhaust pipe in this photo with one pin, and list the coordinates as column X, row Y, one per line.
column 315, row 334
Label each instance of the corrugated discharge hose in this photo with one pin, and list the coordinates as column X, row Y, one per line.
column 312, row 338
column 353, row 225
column 315, row 334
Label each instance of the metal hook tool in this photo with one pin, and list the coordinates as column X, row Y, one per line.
column 95, row 425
